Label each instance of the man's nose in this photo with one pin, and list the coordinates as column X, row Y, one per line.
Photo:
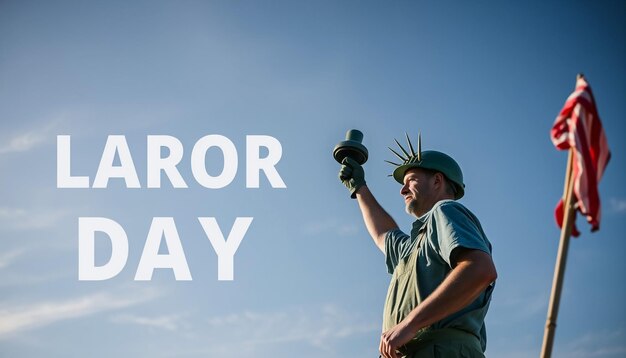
column 404, row 190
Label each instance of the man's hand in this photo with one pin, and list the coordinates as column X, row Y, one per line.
column 395, row 338
column 474, row 271
column 352, row 175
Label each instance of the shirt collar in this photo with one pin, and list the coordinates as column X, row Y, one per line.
column 418, row 224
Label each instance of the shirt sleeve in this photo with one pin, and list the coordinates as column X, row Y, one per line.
column 457, row 227
column 397, row 245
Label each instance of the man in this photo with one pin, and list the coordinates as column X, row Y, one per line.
column 442, row 273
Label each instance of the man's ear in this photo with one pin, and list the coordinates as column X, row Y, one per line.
column 440, row 180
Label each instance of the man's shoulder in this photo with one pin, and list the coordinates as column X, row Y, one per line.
column 449, row 207
column 454, row 222
column 451, row 211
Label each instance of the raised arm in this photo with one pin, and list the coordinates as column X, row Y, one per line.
column 377, row 221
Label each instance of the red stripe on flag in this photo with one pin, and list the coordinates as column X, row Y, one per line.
column 578, row 126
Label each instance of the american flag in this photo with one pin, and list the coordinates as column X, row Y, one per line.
column 578, row 127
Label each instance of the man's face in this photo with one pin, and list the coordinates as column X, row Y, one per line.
column 417, row 191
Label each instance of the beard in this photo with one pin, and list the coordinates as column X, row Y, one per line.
column 412, row 207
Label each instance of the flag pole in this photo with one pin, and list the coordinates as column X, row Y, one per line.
column 559, row 269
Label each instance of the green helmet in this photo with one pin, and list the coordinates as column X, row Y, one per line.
column 437, row 161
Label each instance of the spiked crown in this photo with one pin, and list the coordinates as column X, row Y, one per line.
column 429, row 159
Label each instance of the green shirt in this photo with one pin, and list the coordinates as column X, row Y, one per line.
column 447, row 226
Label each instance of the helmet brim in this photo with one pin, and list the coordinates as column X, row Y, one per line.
column 400, row 172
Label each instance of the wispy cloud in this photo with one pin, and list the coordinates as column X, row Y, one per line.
column 7, row 258
column 527, row 306
column 83, row 121
column 30, row 139
column 617, row 205
column 26, row 317
column 318, row 327
column 22, row 142
column 20, row 219
column 323, row 328
column 517, row 305
column 595, row 344
column 332, row 226
column 11, row 213
column 166, row 322
column 11, row 280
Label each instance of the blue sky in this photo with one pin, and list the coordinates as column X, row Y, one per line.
column 482, row 81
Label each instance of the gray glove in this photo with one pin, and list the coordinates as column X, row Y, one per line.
column 352, row 175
